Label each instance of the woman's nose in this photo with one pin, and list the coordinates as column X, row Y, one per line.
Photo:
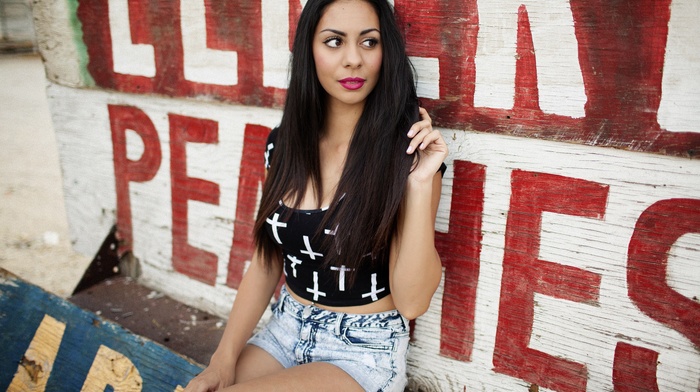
column 353, row 57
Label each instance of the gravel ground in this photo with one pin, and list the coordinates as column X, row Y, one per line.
column 34, row 239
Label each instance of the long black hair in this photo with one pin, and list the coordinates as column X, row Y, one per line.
column 376, row 167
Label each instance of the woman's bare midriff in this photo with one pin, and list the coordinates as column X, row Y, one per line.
column 383, row 305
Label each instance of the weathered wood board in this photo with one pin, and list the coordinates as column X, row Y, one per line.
column 602, row 73
column 49, row 344
column 551, row 250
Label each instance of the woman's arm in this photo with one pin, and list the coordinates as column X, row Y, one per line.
column 415, row 269
column 253, row 297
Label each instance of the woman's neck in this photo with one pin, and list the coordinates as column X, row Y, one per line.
column 340, row 123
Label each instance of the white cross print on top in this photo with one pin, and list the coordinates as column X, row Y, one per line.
column 294, row 261
column 267, row 154
column 341, row 281
column 315, row 291
column 373, row 292
column 275, row 223
column 310, row 251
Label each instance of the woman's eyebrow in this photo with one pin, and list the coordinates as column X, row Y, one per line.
column 343, row 34
column 367, row 31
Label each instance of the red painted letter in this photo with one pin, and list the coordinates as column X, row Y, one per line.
column 448, row 34
column 657, row 229
column 252, row 173
column 524, row 275
column 122, row 118
column 634, row 369
column 194, row 262
column 460, row 250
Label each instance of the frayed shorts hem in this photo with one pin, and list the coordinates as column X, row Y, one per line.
column 371, row 348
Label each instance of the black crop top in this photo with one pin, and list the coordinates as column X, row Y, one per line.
column 304, row 270
column 305, row 273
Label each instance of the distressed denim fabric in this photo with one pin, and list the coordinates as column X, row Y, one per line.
column 371, row 348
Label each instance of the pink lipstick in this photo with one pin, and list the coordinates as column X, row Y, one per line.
column 352, row 83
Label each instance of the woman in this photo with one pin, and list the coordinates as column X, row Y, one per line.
column 347, row 214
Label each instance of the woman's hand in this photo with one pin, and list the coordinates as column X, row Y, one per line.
column 431, row 147
column 211, row 379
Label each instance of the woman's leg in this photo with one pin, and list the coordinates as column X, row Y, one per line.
column 317, row 376
column 255, row 362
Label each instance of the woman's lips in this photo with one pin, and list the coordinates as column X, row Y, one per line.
column 352, row 83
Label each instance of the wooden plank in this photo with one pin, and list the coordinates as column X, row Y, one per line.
column 562, row 262
column 49, row 344
column 616, row 74
column 568, row 266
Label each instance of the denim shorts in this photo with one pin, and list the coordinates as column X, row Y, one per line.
column 371, row 348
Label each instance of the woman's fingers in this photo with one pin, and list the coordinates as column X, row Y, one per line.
column 423, row 139
column 420, row 131
column 429, row 144
column 425, row 123
column 423, row 113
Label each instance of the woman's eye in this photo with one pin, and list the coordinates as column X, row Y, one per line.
column 333, row 42
column 370, row 43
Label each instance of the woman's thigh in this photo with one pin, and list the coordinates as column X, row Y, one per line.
column 316, row 376
column 254, row 362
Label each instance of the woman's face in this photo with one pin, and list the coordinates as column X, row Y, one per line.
column 348, row 52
